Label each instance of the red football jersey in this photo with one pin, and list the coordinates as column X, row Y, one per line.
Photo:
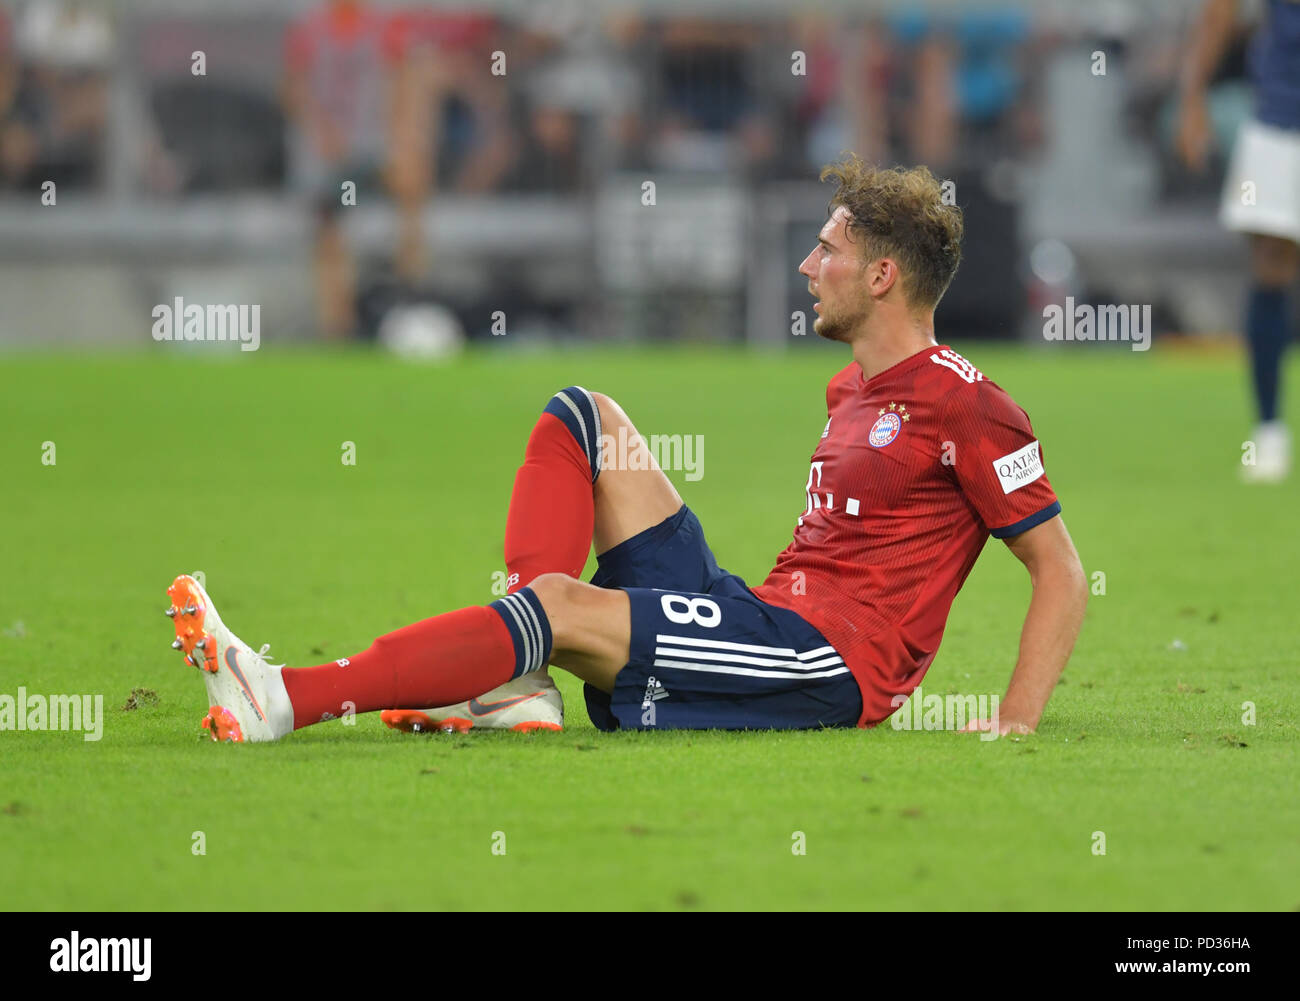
column 916, row 468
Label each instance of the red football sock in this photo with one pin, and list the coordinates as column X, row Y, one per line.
column 438, row 662
column 552, row 509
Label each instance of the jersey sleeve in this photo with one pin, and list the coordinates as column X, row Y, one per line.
column 998, row 461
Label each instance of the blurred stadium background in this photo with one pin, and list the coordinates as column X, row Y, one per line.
column 500, row 149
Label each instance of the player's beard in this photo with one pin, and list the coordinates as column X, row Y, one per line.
column 843, row 324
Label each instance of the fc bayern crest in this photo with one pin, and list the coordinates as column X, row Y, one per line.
column 885, row 430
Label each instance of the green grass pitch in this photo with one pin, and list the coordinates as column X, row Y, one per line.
column 165, row 464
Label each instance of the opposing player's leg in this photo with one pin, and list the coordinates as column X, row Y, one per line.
column 1275, row 265
column 1266, row 162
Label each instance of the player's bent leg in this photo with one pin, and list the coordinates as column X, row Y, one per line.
column 550, row 527
column 587, row 476
column 591, row 627
column 548, row 530
column 549, row 523
column 632, row 493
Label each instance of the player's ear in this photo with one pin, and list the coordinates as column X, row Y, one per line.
column 882, row 274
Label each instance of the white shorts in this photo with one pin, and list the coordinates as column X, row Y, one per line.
column 1261, row 193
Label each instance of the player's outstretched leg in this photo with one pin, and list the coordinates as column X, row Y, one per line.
column 246, row 695
column 449, row 658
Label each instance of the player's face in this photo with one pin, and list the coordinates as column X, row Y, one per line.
column 834, row 273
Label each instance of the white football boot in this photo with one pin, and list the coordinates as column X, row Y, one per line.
column 522, row 704
column 1272, row 454
column 246, row 695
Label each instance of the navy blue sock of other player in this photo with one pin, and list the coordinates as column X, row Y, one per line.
column 1267, row 330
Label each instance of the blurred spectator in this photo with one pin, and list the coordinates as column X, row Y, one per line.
column 53, row 103
column 711, row 112
column 843, row 104
column 457, row 109
column 548, row 157
column 8, row 71
column 965, row 84
column 342, row 94
column 569, row 91
column 221, row 130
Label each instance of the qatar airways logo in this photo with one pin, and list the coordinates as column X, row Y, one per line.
column 1019, row 468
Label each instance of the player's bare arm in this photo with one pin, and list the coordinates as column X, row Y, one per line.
column 1052, row 623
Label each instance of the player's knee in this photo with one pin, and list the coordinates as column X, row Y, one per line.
column 611, row 414
column 577, row 409
column 557, row 593
column 568, row 604
column 622, row 446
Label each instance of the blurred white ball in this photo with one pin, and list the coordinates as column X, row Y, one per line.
column 422, row 332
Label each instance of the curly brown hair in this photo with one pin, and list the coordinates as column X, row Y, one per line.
column 899, row 213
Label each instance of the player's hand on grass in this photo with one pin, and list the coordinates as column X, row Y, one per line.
column 1005, row 726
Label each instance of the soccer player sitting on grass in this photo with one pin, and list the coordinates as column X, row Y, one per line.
column 921, row 459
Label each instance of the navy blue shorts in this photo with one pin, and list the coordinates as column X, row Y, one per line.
column 706, row 653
